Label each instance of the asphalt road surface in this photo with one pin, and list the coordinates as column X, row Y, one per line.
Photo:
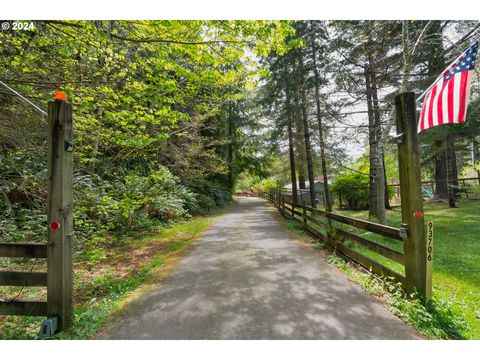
column 247, row 278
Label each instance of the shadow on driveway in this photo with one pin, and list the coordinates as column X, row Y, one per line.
column 247, row 278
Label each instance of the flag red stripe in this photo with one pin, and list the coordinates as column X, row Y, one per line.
column 440, row 104
column 463, row 94
column 430, row 110
column 424, row 110
column 451, row 95
column 446, row 100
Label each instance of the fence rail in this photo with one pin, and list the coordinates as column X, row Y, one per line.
column 414, row 260
column 23, row 250
column 26, row 308
column 384, row 230
column 335, row 237
column 465, row 186
column 58, row 250
column 23, row 278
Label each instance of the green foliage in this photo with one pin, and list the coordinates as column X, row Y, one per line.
column 103, row 294
column 107, row 293
column 456, row 255
column 150, row 119
column 295, row 227
column 127, row 204
column 211, row 194
column 103, row 205
column 246, row 182
column 337, row 261
column 265, row 185
column 435, row 319
column 22, row 197
column 353, row 188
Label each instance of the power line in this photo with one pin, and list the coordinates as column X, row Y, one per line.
column 23, row 98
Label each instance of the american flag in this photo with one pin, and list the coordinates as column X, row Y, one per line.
column 446, row 101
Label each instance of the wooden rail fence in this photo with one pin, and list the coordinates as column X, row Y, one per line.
column 336, row 237
column 414, row 257
column 58, row 249
column 17, row 278
column 466, row 186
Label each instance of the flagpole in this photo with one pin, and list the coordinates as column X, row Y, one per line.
column 426, row 91
column 438, row 78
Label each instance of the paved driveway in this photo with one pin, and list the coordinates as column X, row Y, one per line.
column 247, row 278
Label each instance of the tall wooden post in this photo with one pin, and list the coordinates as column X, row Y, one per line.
column 60, row 219
column 415, row 247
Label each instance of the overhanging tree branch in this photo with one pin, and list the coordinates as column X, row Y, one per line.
column 151, row 40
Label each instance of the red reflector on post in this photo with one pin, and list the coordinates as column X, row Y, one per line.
column 418, row 214
column 54, row 226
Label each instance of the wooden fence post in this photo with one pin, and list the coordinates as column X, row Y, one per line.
column 60, row 219
column 415, row 247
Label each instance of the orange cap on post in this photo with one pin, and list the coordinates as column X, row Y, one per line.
column 60, row 96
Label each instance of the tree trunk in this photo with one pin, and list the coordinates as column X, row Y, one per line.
column 452, row 173
column 472, row 147
column 441, row 185
column 93, row 162
column 291, row 151
column 300, row 146
column 326, row 190
column 387, row 198
column 306, row 131
column 372, row 203
column 379, row 168
column 445, row 164
column 230, row 146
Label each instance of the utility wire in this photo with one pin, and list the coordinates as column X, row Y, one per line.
column 23, row 98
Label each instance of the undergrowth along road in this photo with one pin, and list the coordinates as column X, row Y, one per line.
column 104, row 287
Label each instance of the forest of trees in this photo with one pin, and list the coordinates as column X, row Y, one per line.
column 160, row 120
column 336, row 86
column 169, row 115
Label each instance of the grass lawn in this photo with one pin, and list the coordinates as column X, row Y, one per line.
column 130, row 267
column 456, row 264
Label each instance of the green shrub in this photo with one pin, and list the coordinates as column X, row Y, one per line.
column 22, row 197
column 436, row 318
column 353, row 188
column 134, row 202
column 265, row 185
column 113, row 201
column 210, row 194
